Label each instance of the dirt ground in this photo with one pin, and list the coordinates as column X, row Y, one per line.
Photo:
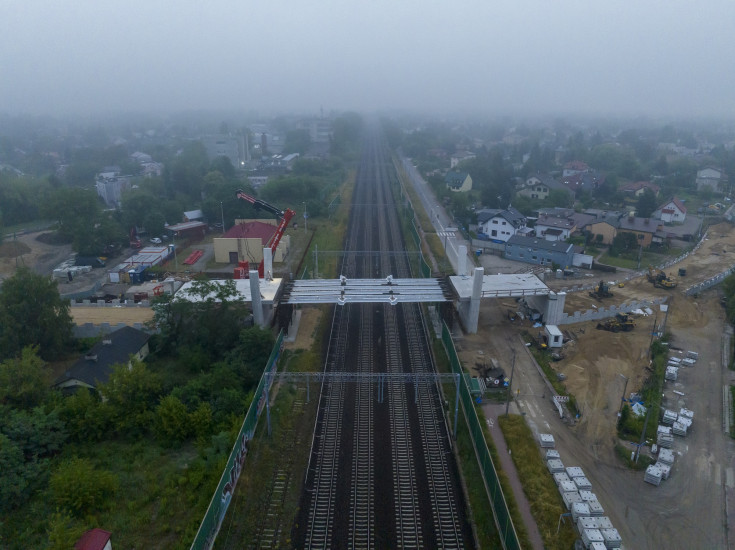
column 690, row 509
column 308, row 325
column 112, row 315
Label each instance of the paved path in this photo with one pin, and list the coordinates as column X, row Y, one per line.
column 492, row 411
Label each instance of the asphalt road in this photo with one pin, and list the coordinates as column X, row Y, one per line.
column 688, row 510
column 443, row 225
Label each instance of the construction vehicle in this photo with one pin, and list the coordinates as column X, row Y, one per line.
column 659, row 278
column 601, row 291
column 621, row 322
column 241, row 271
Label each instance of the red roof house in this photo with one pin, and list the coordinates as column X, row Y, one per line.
column 94, row 539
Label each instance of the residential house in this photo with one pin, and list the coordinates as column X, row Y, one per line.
column 588, row 181
column 246, row 240
column 537, row 251
column 539, row 187
column 574, row 167
column 607, row 228
column 94, row 539
column 500, row 225
column 117, row 348
column 647, row 231
column 459, row 182
column 711, row 177
column 553, row 228
column 637, row 188
column 671, row 211
column 460, row 156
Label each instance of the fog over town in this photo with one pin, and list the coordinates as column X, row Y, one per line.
column 533, row 57
column 387, row 274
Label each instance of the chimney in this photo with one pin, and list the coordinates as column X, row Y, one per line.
column 646, row 221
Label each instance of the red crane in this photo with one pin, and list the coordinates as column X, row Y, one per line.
column 241, row 271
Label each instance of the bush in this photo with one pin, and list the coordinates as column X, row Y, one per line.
column 80, row 488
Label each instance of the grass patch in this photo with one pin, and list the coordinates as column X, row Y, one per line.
column 539, row 486
column 329, row 234
column 624, row 455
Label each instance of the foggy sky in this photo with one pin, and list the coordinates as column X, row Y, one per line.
column 493, row 56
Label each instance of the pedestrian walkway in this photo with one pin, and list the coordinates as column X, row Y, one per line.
column 492, row 412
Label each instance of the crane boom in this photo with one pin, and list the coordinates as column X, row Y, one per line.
column 284, row 215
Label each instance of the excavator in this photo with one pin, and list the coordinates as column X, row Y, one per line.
column 601, row 291
column 659, row 278
column 621, row 321
column 241, row 271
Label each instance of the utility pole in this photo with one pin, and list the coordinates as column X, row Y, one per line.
column 221, row 211
column 510, row 384
column 622, row 399
column 305, row 217
column 643, row 434
column 653, row 332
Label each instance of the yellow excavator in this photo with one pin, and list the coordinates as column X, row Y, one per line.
column 601, row 291
column 660, row 279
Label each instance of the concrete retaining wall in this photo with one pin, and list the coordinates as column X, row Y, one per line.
column 606, row 312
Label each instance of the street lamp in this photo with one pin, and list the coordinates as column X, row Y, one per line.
column 622, row 399
column 305, row 216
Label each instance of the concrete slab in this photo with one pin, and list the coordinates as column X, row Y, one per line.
column 501, row 285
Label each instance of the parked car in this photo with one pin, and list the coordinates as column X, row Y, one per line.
column 156, row 240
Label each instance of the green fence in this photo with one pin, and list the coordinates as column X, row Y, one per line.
column 508, row 535
column 212, row 520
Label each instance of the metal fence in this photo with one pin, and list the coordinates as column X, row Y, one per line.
column 501, row 513
column 212, row 520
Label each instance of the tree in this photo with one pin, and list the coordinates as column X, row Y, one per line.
column 646, row 204
column 33, row 314
column 77, row 211
column 132, row 393
column 23, row 381
column 77, row 486
column 172, row 420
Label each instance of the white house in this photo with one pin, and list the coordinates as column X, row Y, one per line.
column 553, row 228
column 671, row 211
column 500, row 225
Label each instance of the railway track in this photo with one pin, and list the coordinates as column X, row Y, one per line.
column 381, row 475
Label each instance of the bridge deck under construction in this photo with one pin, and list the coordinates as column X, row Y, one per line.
column 343, row 291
